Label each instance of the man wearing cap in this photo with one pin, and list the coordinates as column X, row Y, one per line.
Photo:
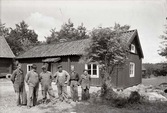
column 74, row 78
column 46, row 80
column 18, row 84
column 62, row 78
column 32, row 79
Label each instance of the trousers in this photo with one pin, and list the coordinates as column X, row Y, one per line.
column 33, row 95
column 74, row 90
column 62, row 92
column 47, row 89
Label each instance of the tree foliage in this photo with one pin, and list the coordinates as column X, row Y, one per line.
column 21, row 38
column 3, row 30
column 67, row 33
column 108, row 49
column 163, row 47
column 158, row 69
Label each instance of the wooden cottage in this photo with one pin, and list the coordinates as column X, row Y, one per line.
column 69, row 53
column 6, row 57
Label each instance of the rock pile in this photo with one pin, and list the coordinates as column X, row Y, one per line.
column 150, row 93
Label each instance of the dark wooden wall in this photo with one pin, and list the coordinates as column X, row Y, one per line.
column 36, row 61
column 6, row 65
column 121, row 79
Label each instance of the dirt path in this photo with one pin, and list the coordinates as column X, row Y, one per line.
column 7, row 103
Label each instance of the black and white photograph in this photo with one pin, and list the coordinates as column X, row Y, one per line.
column 83, row 56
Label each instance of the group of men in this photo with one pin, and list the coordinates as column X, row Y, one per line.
column 62, row 79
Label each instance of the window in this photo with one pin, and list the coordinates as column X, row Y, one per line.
column 29, row 67
column 93, row 70
column 132, row 69
column 133, row 48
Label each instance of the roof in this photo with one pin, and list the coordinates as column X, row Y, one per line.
column 67, row 48
column 5, row 50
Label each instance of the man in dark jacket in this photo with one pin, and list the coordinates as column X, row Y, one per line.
column 32, row 79
column 18, row 84
column 85, row 80
column 46, row 80
column 74, row 78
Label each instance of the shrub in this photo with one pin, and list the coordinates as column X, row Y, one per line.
column 134, row 97
column 120, row 102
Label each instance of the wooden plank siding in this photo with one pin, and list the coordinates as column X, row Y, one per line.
column 37, row 61
column 6, row 66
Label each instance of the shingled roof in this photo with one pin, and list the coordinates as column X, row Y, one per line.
column 5, row 51
column 67, row 48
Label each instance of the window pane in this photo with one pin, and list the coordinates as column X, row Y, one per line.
column 89, row 72
column 94, row 72
column 89, row 66
column 94, row 66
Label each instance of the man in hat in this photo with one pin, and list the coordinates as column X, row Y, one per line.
column 62, row 78
column 46, row 80
column 18, row 84
column 32, row 79
column 74, row 78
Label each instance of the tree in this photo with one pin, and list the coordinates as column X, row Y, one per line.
column 21, row 38
column 67, row 33
column 108, row 49
column 3, row 30
column 163, row 47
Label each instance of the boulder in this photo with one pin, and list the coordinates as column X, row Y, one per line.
column 148, row 92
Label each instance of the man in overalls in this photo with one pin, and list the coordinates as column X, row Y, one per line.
column 32, row 79
column 62, row 79
column 46, row 80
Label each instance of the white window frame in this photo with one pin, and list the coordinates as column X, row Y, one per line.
column 97, row 68
column 132, row 69
column 132, row 48
column 28, row 65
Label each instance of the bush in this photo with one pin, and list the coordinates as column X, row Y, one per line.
column 120, row 102
column 134, row 97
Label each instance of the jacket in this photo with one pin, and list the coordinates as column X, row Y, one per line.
column 85, row 81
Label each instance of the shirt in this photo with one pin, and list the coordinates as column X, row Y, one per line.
column 46, row 78
column 32, row 78
column 62, row 77
column 74, row 76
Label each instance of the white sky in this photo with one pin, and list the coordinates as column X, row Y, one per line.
column 147, row 16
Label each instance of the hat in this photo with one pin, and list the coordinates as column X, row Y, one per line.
column 85, row 70
column 59, row 66
column 43, row 67
column 33, row 66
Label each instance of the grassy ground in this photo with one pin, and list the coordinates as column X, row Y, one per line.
column 7, row 104
column 154, row 80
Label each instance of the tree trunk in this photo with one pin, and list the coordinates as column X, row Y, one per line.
column 107, row 87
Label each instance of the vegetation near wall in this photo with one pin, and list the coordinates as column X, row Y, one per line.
column 158, row 69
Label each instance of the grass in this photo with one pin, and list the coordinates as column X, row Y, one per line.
column 7, row 103
column 155, row 81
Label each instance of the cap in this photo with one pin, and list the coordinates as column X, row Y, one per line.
column 43, row 67
column 59, row 66
column 33, row 66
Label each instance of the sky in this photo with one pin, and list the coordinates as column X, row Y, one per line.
column 147, row 16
